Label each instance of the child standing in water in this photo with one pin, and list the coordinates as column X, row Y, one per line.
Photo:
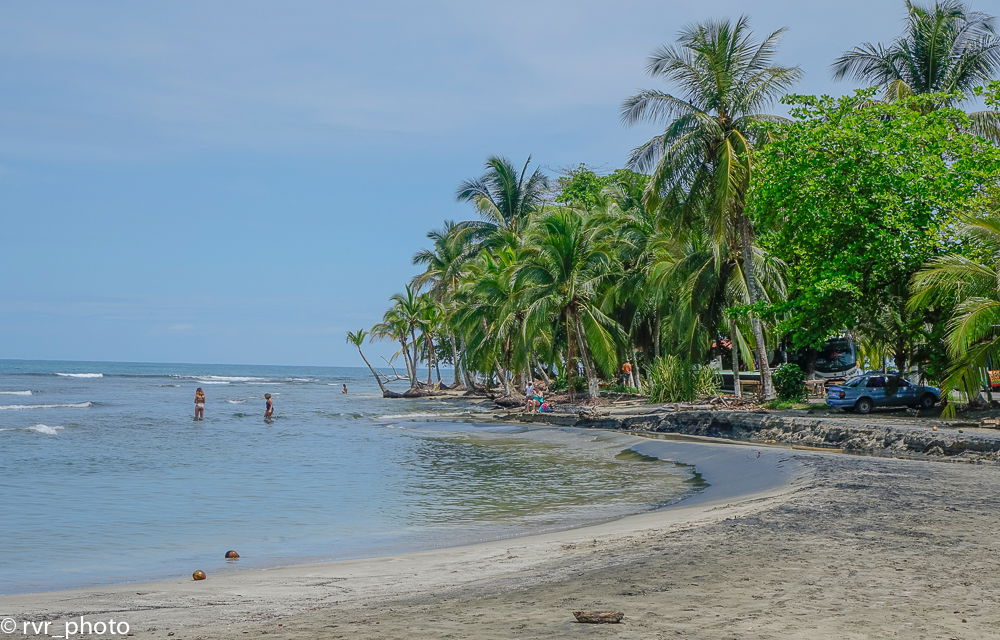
column 199, row 404
column 268, row 406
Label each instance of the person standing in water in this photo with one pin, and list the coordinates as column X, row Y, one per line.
column 199, row 404
column 344, row 390
column 268, row 406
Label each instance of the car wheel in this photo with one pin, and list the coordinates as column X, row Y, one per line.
column 928, row 401
column 864, row 405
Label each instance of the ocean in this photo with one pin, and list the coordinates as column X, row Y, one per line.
column 107, row 479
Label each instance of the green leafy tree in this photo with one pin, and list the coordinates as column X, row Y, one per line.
column 859, row 195
column 701, row 164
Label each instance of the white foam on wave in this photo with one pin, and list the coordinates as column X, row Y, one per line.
column 37, row 428
column 18, row 407
column 81, row 375
column 212, row 381
column 235, row 401
column 15, row 393
column 223, row 378
column 44, row 428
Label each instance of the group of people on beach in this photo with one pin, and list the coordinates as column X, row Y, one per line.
column 534, row 398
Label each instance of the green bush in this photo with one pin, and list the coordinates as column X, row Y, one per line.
column 672, row 379
column 560, row 384
column 790, row 382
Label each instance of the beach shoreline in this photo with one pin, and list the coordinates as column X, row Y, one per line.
column 255, row 594
column 840, row 546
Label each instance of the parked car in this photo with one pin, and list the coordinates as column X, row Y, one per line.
column 876, row 389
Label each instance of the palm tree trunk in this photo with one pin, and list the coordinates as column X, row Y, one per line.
column 593, row 383
column 656, row 336
column 410, row 367
column 543, row 372
column 454, row 360
column 378, row 378
column 429, row 339
column 570, row 358
column 413, row 380
column 735, row 345
column 766, row 387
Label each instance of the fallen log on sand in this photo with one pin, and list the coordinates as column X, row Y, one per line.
column 599, row 617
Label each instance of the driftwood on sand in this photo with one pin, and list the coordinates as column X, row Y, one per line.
column 599, row 617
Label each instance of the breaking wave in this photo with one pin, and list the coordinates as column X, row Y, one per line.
column 18, row 407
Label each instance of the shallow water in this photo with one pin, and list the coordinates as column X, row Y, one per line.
column 106, row 477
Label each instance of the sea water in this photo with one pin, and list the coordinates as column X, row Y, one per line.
column 106, row 478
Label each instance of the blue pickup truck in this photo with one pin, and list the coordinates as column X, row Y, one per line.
column 876, row 389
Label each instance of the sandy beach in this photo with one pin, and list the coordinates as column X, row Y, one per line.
column 783, row 544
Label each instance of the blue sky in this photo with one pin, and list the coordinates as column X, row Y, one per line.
column 242, row 181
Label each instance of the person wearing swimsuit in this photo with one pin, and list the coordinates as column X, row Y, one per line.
column 199, row 404
column 268, row 406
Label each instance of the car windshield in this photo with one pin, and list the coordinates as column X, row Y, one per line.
column 855, row 381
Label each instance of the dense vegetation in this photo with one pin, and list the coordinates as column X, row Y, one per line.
column 735, row 231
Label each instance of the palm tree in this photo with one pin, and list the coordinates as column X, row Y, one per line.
column 408, row 307
column 395, row 326
column 565, row 264
column 442, row 275
column 443, row 263
column 701, row 163
column 357, row 338
column 488, row 316
column 504, row 198
column 971, row 287
column 945, row 48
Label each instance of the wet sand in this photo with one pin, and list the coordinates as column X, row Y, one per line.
column 843, row 546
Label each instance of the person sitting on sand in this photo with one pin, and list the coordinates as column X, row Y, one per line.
column 268, row 406
column 199, row 404
column 529, row 396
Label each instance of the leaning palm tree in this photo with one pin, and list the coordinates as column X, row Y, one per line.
column 357, row 338
column 945, row 48
column 971, row 287
column 504, row 198
column 701, row 163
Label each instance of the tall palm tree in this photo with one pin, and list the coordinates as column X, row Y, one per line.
column 565, row 264
column 945, row 48
column 701, row 163
column 504, row 198
column 443, row 263
column 488, row 316
column 443, row 271
column 971, row 287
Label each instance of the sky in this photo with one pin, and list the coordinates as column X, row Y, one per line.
column 245, row 181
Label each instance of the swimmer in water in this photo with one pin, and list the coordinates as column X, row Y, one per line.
column 199, row 404
column 268, row 406
column 344, row 390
